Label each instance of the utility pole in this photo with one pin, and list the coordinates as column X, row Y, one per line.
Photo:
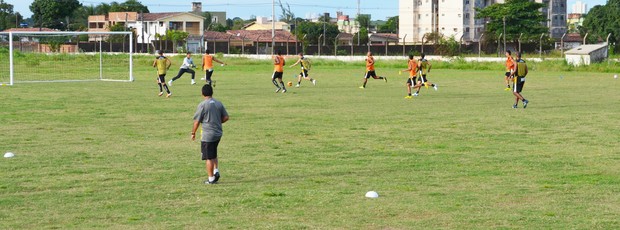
column 358, row 22
column 273, row 26
column 504, row 19
column 324, row 21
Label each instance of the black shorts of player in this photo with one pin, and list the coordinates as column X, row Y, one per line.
column 370, row 73
column 304, row 73
column 411, row 81
column 209, row 73
column 209, row 150
column 423, row 78
column 277, row 75
column 161, row 79
column 507, row 74
column 518, row 84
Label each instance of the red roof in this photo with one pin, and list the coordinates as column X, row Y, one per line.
column 28, row 30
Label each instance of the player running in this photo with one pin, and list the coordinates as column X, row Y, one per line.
column 186, row 67
column 424, row 67
column 162, row 64
column 412, row 68
column 518, row 77
column 278, row 71
column 370, row 70
column 305, row 67
column 207, row 66
column 510, row 68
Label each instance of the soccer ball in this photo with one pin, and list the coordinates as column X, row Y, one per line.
column 290, row 83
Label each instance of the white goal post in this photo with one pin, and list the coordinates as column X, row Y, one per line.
column 63, row 56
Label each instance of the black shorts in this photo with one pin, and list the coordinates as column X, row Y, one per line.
column 209, row 73
column 161, row 79
column 423, row 78
column 518, row 84
column 304, row 73
column 507, row 74
column 411, row 81
column 277, row 75
column 209, row 150
column 370, row 73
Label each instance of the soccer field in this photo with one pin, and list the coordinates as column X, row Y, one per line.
column 115, row 155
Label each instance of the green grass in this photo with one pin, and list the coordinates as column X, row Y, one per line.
column 114, row 155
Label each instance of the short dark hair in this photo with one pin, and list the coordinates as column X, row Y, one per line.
column 279, row 52
column 207, row 51
column 207, row 90
column 189, row 52
column 518, row 54
column 422, row 55
column 410, row 56
column 508, row 51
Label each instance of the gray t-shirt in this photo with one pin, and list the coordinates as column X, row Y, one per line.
column 209, row 113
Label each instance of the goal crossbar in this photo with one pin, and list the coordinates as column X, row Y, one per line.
column 11, row 35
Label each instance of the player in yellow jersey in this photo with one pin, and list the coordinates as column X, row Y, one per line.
column 424, row 67
column 510, row 68
column 370, row 70
column 162, row 64
column 412, row 68
column 207, row 66
column 278, row 71
column 305, row 67
column 518, row 77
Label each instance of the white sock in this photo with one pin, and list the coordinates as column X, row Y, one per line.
column 216, row 171
column 211, row 178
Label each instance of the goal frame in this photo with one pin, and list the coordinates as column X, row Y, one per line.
column 11, row 52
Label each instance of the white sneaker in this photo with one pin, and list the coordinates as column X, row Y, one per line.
column 284, row 91
column 415, row 94
column 435, row 87
column 170, row 83
column 193, row 82
column 314, row 81
column 297, row 86
column 170, row 94
column 278, row 89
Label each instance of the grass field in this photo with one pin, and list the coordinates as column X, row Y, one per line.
column 114, row 155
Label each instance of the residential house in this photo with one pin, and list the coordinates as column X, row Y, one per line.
column 262, row 23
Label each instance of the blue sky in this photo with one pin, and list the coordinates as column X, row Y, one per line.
column 379, row 9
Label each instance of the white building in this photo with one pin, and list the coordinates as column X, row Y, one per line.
column 580, row 8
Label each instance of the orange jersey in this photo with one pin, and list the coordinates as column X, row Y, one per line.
column 370, row 64
column 510, row 64
column 413, row 67
column 207, row 62
column 278, row 64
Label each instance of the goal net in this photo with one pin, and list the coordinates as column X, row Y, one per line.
column 65, row 56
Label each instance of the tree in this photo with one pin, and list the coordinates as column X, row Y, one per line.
column 522, row 16
column 178, row 37
column 128, row 6
column 7, row 17
column 287, row 15
column 363, row 20
column 314, row 30
column 602, row 20
column 53, row 13
column 391, row 26
column 102, row 9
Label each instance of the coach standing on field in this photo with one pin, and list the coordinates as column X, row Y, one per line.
column 211, row 114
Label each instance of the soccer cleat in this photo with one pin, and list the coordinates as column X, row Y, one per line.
column 193, row 82
column 210, row 182
column 278, row 90
column 168, row 95
column 514, row 106
column 385, row 79
column 297, row 86
column 415, row 94
column 408, row 97
column 525, row 103
column 160, row 93
column 170, row 83
column 435, row 87
column 314, row 82
column 507, row 89
column 284, row 91
column 426, row 85
column 362, row 87
column 217, row 177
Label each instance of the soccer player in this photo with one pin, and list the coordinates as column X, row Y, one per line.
column 424, row 67
column 210, row 114
column 305, row 67
column 162, row 64
column 518, row 77
column 370, row 70
column 186, row 67
column 207, row 66
column 510, row 68
column 412, row 68
column 278, row 71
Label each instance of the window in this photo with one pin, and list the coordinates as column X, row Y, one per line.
column 419, row 16
column 467, row 15
column 443, row 15
column 459, row 15
column 455, row 29
column 467, row 2
column 443, row 28
column 466, row 29
column 214, row 19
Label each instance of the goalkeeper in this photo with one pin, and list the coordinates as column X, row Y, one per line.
column 305, row 67
column 186, row 67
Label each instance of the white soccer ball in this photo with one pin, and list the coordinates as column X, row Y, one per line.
column 372, row 194
column 616, row 76
column 9, row 155
column 222, row 65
